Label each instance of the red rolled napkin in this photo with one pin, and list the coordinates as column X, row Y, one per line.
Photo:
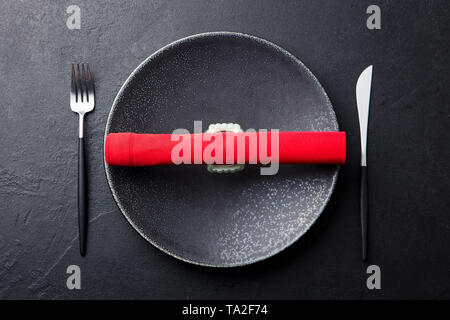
column 135, row 150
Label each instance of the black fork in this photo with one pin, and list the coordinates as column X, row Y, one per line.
column 82, row 101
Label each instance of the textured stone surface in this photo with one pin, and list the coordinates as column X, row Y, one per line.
column 408, row 149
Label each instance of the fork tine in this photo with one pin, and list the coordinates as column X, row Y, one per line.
column 90, row 85
column 84, row 84
column 88, row 71
column 73, row 88
column 79, row 87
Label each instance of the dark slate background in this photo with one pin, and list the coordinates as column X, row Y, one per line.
column 408, row 149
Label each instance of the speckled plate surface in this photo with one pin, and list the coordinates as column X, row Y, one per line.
column 232, row 219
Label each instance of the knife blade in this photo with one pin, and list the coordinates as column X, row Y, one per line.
column 363, row 89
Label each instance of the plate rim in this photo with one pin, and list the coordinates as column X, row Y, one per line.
column 153, row 56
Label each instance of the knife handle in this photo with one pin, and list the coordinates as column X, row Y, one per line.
column 364, row 211
column 82, row 197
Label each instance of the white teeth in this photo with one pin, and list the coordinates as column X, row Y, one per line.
column 227, row 127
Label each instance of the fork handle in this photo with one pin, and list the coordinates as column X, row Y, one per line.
column 82, row 197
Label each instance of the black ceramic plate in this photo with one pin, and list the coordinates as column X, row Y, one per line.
column 221, row 219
